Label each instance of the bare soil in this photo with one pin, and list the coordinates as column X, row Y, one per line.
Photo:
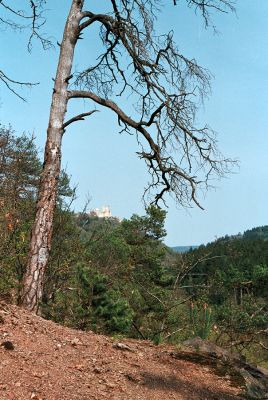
column 52, row 362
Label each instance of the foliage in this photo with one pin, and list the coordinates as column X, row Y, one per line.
column 119, row 278
column 261, row 232
column 122, row 276
column 90, row 304
column 19, row 177
column 20, row 169
column 201, row 321
column 235, row 286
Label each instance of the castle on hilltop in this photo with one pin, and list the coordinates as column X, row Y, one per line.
column 104, row 212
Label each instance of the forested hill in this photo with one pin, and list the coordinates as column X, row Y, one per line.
column 260, row 232
column 183, row 249
column 231, row 276
column 242, row 257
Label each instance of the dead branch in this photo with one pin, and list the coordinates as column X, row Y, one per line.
column 79, row 117
column 20, row 20
column 167, row 88
column 11, row 83
column 166, row 173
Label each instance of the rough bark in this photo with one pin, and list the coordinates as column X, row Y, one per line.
column 42, row 229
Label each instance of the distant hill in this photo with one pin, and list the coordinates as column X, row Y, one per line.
column 260, row 232
column 236, row 260
column 183, row 249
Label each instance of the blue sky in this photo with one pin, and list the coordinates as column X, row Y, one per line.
column 104, row 164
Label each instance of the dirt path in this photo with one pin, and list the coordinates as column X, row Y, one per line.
column 51, row 362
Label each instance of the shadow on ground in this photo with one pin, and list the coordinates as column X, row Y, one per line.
column 172, row 383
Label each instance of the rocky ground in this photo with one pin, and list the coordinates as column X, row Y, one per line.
column 41, row 360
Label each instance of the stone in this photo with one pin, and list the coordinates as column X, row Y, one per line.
column 8, row 345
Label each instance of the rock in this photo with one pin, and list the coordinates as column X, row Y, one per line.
column 75, row 342
column 211, row 349
column 35, row 396
column 254, row 379
column 122, row 346
column 110, row 385
column 8, row 345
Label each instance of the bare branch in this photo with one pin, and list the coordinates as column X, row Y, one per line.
column 79, row 117
column 167, row 88
column 166, row 173
column 11, row 82
column 149, row 293
column 205, row 6
column 31, row 20
column 21, row 20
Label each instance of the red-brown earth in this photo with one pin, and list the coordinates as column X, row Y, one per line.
column 52, row 362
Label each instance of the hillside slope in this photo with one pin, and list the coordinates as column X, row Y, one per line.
column 183, row 249
column 50, row 362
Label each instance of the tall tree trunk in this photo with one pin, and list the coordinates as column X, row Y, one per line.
column 41, row 234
